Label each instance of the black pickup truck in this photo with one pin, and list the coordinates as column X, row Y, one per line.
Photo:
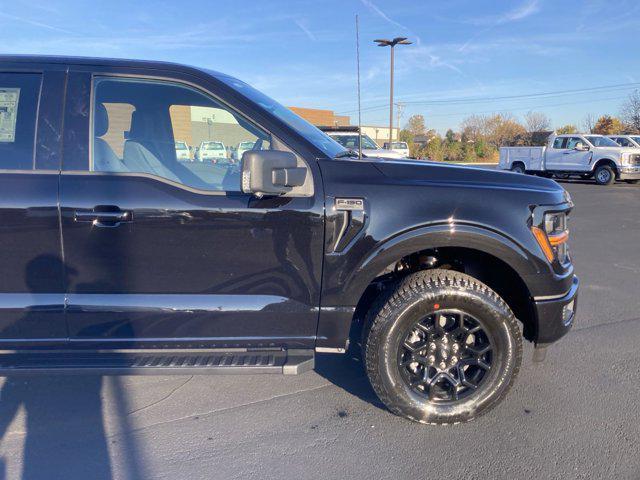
column 122, row 251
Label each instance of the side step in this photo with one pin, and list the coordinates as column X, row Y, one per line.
column 155, row 362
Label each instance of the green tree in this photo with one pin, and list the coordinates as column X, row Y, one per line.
column 434, row 150
column 450, row 136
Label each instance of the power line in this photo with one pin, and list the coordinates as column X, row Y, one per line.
column 453, row 101
column 457, row 114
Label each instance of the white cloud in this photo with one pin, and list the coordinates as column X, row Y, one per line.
column 302, row 25
column 375, row 9
column 522, row 11
column 36, row 23
column 526, row 9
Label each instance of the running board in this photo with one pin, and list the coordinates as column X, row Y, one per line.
column 156, row 362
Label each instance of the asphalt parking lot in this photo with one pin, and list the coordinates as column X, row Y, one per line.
column 574, row 416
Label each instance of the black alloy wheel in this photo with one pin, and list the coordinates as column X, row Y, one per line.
column 445, row 356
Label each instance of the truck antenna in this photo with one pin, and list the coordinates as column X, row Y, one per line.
column 359, row 109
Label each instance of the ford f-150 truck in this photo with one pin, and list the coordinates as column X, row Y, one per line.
column 588, row 156
column 118, row 258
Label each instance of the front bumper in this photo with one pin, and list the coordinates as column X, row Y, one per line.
column 629, row 173
column 556, row 316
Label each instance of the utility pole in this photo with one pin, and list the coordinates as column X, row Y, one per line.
column 392, row 44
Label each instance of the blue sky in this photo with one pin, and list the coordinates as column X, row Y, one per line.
column 303, row 52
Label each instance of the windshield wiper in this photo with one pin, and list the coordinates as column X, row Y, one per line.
column 348, row 154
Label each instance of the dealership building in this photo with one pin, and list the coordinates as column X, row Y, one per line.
column 327, row 118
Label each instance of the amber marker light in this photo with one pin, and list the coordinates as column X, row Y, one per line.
column 544, row 243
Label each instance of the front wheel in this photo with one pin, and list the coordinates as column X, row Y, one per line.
column 442, row 348
column 604, row 175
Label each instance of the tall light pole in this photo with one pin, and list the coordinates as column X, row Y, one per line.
column 391, row 43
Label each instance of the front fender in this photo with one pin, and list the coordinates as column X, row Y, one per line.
column 347, row 275
column 604, row 158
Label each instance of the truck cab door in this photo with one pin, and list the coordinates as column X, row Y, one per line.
column 555, row 155
column 578, row 160
column 168, row 250
column 31, row 284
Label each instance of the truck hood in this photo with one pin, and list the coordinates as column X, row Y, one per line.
column 613, row 152
column 382, row 153
column 415, row 172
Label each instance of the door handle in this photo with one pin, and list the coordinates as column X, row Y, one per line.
column 103, row 216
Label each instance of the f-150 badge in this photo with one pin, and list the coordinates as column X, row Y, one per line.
column 349, row 204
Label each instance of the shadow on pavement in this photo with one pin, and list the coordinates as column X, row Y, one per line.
column 64, row 435
column 347, row 372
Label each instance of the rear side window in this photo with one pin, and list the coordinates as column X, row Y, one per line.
column 559, row 142
column 19, row 97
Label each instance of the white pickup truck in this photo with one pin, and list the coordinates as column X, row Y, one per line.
column 586, row 155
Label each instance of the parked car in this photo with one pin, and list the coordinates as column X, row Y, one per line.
column 349, row 138
column 212, row 151
column 186, row 267
column 243, row 147
column 586, row 155
column 401, row 148
column 182, row 151
column 632, row 141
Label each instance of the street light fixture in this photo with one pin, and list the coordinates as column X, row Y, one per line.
column 392, row 43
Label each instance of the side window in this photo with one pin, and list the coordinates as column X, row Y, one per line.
column 573, row 141
column 170, row 131
column 623, row 142
column 19, row 97
column 559, row 142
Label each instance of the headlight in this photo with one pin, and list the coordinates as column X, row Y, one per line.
column 553, row 237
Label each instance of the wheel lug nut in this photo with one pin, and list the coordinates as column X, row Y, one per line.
column 443, row 365
column 454, row 360
column 431, row 360
column 455, row 347
column 443, row 354
column 432, row 346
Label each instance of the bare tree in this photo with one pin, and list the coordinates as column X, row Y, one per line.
column 536, row 122
column 496, row 130
column 630, row 112
column 589, row 123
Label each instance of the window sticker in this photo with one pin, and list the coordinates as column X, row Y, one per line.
column 8, row 113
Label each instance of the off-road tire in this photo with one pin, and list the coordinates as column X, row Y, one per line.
column 418, row 295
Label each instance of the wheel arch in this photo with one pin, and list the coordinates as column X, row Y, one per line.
column 486, row 255
column 606, row 161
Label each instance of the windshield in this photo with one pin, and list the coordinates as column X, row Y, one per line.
column 636, row 139
column 601, row 141
column 351, row 141
column 246, row 145
column 318, row 138
column 181, row 146
column 213, row 146
column 398, row 145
